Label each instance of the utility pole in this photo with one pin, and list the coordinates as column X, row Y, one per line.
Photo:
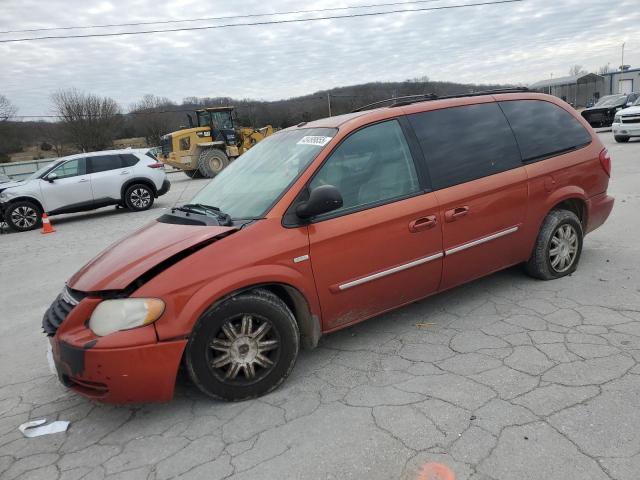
column 622, row 66
column 329, row 102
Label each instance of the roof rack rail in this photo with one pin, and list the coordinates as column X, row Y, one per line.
column 409, row 99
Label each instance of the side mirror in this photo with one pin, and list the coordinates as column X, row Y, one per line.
column 51, row 177
column 322, row 199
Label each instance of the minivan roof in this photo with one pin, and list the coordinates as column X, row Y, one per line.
column 423, row 104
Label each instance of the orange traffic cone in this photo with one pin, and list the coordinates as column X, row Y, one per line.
column 46, row 224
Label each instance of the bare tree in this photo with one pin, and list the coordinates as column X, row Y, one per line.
column 577, row 70
column 53, row 133
column 605, row 69
column 7, row 109
column 90, row 122
column 153, row 118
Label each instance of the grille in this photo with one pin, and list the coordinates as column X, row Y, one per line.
column 165, row 144
column 59, row 309
column 630, row 119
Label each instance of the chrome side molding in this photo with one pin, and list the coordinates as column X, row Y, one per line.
column 390, row 271
column 480, row 241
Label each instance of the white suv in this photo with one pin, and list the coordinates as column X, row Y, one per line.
column 131, row 178
column 626, row 123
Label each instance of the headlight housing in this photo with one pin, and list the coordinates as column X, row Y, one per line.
column 616, row 119
column 123, row 314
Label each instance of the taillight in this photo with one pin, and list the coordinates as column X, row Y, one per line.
column 605, row 161
column 156, row 165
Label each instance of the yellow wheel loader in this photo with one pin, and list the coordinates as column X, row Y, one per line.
column 207, row 146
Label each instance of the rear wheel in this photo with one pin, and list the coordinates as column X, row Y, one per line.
column 621, row 139
column 138, row 197
column 244, row 347
column 558, row 247
column 23, row 215
column 193, row 173
column 211, row 162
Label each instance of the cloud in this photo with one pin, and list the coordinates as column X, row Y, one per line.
column 509, row 43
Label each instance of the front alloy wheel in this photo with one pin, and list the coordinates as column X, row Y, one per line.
column 244, row 350
column 243, row 347
column 23, row 216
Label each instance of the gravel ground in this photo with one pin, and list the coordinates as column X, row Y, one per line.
column 504, row 378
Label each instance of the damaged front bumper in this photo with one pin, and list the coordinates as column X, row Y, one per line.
column 130, row 366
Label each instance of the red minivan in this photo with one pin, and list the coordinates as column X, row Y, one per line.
column 324, row 225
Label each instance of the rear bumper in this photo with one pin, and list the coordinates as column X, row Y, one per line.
column 166, row 185
column 599, row 207
column 139, row 374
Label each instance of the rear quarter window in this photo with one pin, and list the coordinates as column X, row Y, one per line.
column 544, row 129
column 129, row 160
column 103, row 163
column 464, row 143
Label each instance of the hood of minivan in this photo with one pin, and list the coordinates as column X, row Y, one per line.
column 126, row 260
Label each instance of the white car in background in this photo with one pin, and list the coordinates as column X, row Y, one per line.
column 626, row 123
column 85, row 181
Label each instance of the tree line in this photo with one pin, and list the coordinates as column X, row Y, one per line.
column 88, row 122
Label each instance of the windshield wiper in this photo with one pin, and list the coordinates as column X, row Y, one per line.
column 223, row 218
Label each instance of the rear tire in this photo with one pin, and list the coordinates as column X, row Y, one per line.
column 244, row 347
column 23, row 216
column 621, row 139
column 193, row 173
column 211, row 162
column 558, row 246
column 139, row 197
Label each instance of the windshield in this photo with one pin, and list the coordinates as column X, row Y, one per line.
column 220, row 119
column 38, row 173
column 637, row 102
column 611, row 100
column 252, row 183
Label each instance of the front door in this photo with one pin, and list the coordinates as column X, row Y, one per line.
column 70, row 190
column 477, row 174
column 383, row 248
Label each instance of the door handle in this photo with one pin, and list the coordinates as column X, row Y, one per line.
column 83, row 180
column 124, row 172
column 455, row 213
column 423, row 223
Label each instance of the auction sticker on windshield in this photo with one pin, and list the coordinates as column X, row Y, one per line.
column 317, row 140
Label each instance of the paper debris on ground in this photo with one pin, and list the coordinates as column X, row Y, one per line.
column 36, row 428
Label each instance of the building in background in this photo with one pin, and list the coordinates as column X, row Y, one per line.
column 585, row 89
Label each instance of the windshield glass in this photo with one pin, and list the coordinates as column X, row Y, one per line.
column 637, row 102
column 253, row 182
column 219, row 119
column 611, row 100
column 42, row 170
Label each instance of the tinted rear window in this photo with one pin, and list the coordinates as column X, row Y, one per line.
column 543, row 129
column 104, row 163
column 129, row 160
column 461, row 144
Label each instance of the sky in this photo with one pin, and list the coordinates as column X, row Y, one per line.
column 515, row 43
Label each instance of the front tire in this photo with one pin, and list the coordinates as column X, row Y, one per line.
column 138, row 197
column 23, row 216
column 621, row 139
column 211, row 162
column 243, row 348
column 558, row 247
